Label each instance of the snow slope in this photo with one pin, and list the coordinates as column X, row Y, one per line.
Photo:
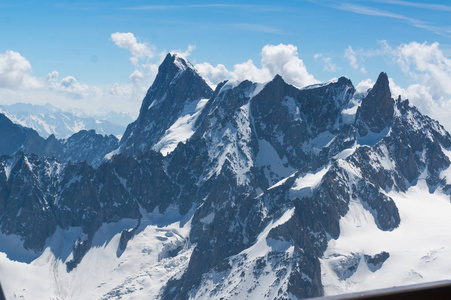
column 419, row 248
column 105, row 272
column 182, row 129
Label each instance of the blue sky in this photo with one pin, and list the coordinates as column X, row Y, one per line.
column 358, row 39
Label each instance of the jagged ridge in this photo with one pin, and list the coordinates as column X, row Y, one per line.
column 267, row 172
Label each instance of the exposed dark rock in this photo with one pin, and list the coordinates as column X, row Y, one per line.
column 127, row 235
column 375, row 262
column 377, row 108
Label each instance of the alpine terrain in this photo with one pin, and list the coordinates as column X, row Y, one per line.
column 248, row 191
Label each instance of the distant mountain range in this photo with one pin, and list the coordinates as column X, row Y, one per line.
column 48, row 120
column 248, row 191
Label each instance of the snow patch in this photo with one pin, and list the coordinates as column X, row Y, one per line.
column 310, row 180
column 372, row 138
column 182, row 129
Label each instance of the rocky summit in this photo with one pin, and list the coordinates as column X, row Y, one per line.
column 248, row 191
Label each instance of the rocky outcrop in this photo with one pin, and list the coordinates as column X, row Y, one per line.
column 375, row 262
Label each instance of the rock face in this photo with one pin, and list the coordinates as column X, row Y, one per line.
column 264, row 173
column 16, row 138
column 377, row 108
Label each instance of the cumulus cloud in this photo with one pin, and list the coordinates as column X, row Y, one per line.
column 15, row 72
column 120, row 90
column 127, row 40
column 276, row 59
column 146, row 58
column 364, row 85
column 426, row 64
column 284, row 60
column 214, row 75
column 68, row 84
column 136, row 77
column 249, row 71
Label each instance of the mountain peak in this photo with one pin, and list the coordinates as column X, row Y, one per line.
column 382, row 80
column 177, row 85
column 174, row 63
column 343, row 80
column 278, row 78
column 377, row 107
column 178, row 60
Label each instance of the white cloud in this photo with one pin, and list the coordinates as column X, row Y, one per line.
column 328, row 65
column 185, row 53
column 69, row 85
column 284, row 60
column 15, row 72
column 351, row 55
column 370, row 11
column 145, row 58
column 422, row 97
column 364, row 85
column 249, row 71
column 276, row 59
column 136, row 76
column 213, row 75
column 127, row 40
column 426, row 64
column 120, row 90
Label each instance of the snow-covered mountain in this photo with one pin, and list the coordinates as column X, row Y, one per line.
column 251, row 191
column 48, row 120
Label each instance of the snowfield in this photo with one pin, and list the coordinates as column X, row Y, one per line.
column 419, row 248
column 105, row 272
